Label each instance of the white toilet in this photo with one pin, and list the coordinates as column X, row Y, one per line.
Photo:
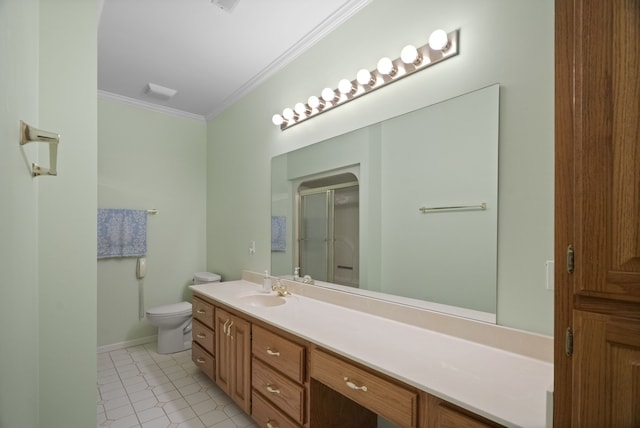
column 174, row 321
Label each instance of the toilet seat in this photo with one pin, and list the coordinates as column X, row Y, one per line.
column 182, row 308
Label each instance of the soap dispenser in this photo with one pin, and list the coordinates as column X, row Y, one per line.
column 266, row 282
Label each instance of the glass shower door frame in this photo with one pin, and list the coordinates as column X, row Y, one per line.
column 329, row 192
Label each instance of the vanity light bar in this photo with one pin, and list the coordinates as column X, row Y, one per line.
column 441, row 46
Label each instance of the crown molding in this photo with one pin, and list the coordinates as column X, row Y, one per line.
column 312, row 37
column 148, row 106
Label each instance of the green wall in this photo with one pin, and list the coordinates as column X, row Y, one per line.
column 66, row 215
column 146, row 160
column 47, row 224
column 501, row 41
column 19, row 375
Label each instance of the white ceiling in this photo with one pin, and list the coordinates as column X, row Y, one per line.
column 209, row 55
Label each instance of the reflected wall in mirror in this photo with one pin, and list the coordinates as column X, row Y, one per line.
column 443, row 155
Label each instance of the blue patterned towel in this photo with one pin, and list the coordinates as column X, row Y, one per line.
column 122, row 233
column 278, row 233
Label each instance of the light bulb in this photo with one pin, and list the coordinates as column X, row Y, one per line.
column 328, row 94
column 300, row 109
column 314, row 102
column 345, row 86
column 364, row 77
column 287, row 113
column 385, row 66
column 438, row 40
column 409, row 55
column 277, row 119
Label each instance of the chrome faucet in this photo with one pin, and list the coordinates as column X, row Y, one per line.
column 304, row 279
column 280, row 289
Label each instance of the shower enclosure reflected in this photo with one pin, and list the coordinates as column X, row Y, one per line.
column 328, row 229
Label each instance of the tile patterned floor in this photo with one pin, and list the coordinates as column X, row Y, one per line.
column 139, row 388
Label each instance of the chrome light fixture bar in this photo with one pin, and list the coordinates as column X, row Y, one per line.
column 441, row 46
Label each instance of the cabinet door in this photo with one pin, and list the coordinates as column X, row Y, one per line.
column 223, row 362
column 597, row 300
column 233, row 359
column 607, row 351
column 605, row 149
column 240, row 359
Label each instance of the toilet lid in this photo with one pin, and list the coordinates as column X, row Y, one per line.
column 174, row 309
column 207, row 277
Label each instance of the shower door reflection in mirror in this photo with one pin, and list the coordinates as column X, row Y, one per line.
column 328, row 237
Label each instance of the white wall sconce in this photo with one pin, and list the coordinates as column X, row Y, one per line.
column 441, row 46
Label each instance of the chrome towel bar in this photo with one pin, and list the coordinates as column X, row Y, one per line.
column 482, row 206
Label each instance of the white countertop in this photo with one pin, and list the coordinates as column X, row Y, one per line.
column 505, row 387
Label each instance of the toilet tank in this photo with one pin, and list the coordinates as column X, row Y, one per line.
column 205, row 277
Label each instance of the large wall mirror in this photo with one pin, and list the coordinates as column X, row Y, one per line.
column 404, row 210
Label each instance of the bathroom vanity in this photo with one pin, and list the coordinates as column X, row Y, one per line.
column 301, row 361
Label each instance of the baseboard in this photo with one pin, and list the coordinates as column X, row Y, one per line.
column 128, row 343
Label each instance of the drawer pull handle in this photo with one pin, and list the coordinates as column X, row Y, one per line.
column 273, row 353
column 270, row 425
column 273, row 390
column 354, row 386
column 200, row 360
column 201, row 311
column 201, row 336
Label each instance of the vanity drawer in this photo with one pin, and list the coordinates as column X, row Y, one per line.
column 268, row 416
column 203, row 336
column 203, row 360
column 280, row 353
column 202, row 311
column 388, row 399
column 288, row 396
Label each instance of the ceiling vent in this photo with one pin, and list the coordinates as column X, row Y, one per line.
column 159, row 92
column 226, row 5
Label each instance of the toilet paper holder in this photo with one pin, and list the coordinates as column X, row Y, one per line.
column 28, row 134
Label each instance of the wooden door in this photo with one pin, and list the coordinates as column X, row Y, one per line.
column 597, row 297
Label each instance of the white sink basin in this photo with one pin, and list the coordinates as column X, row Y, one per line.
column 263, row 300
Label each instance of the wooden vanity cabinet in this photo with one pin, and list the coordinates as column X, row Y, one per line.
column 283, row 381
column 278, row 380
column 202, row 349
column 438, row 413
column 233, row 357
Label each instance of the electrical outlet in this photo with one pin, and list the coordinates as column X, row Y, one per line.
column 252, row 248
column 549, row 264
